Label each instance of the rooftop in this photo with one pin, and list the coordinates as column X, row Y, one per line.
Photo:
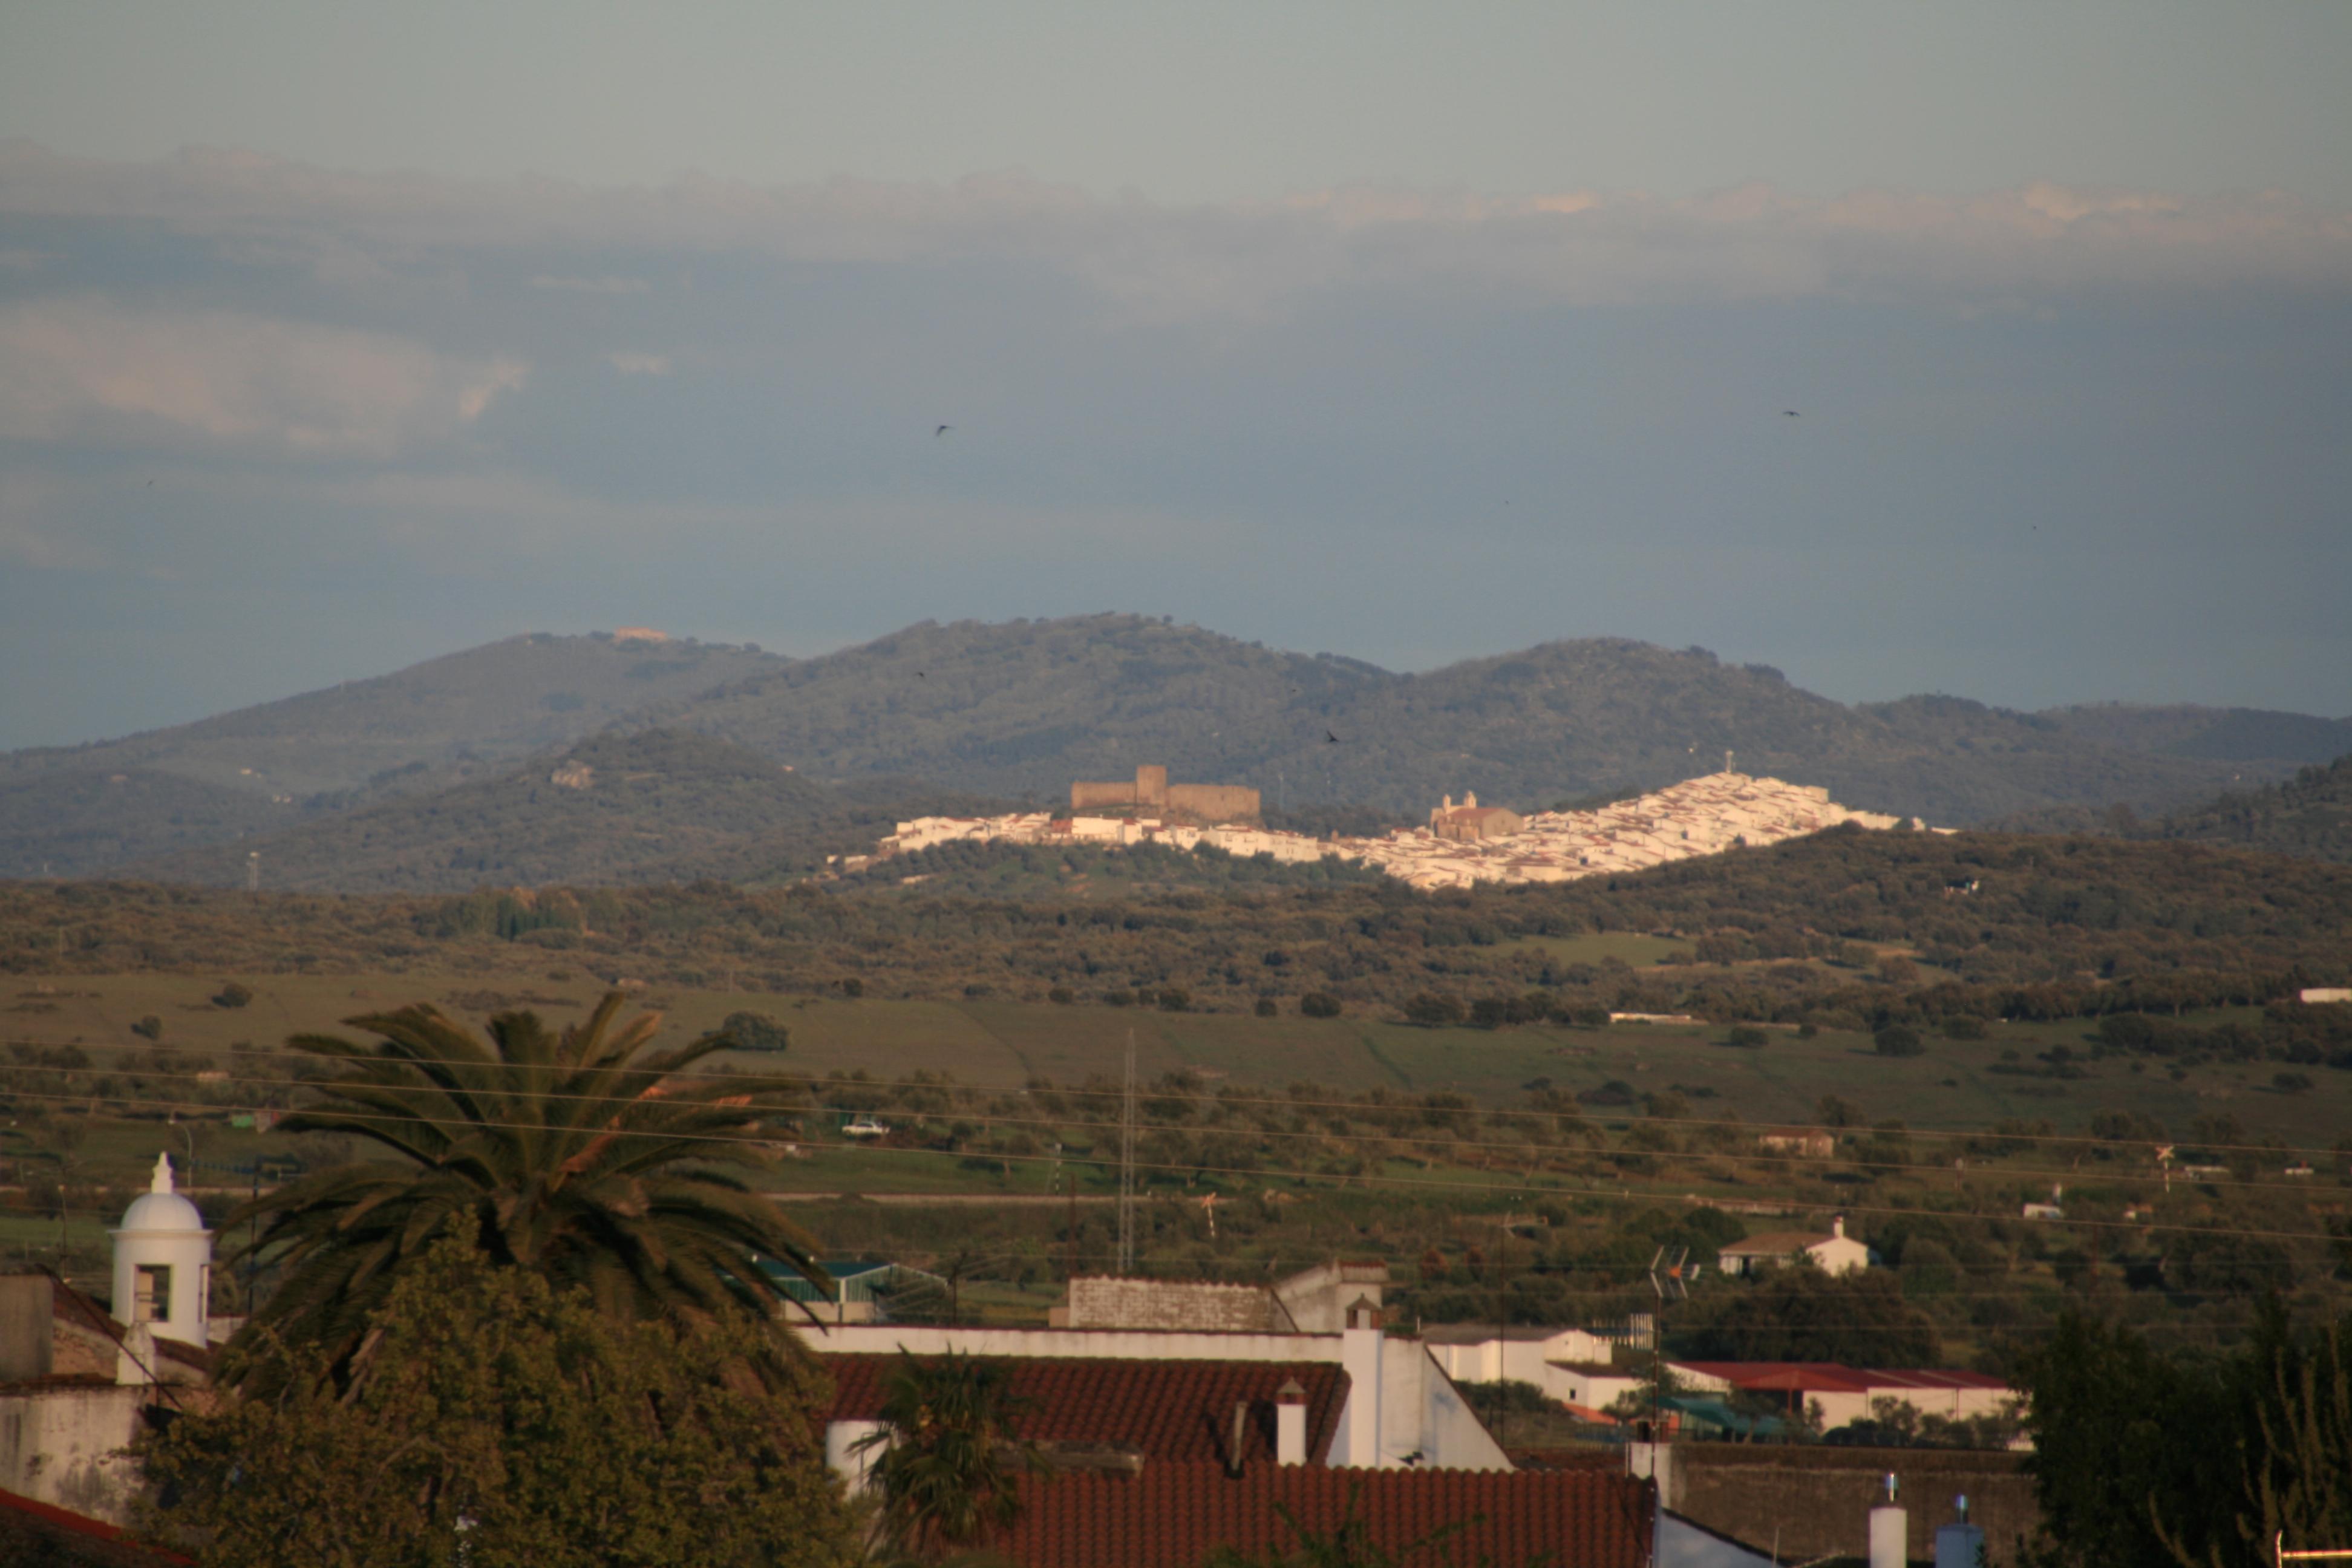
column 1174, row 1516
column 1172, row 1411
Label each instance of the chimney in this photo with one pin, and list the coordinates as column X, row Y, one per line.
column 1890, row 1531
column 1241, row 1436
column 1360, row 1356
column 1290, row 1424
column 28, row 1329
column 1837, row 1227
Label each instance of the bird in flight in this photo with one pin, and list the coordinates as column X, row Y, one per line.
column 1329, row 738
column 941, row 431
column 1789, row 412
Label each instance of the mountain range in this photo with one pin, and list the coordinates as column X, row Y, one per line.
column 732, row 761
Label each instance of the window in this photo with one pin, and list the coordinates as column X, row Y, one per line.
column 150, row 1293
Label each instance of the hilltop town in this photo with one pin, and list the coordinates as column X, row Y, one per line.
column 1460, row 846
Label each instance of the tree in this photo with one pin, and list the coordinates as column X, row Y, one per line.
column 582, row 1156
column 1431, row 1010
column 504, row 1423
column 940, row 1471
column 1899, row 1041
column 1798, row 1313
column 2142, row 1458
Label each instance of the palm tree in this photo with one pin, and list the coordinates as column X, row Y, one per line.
column 940, row 1474
column 583, row 1155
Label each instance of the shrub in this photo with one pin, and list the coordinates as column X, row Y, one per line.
column 1963, row 1027
column 1118, row 998
column 1061, row 996
column 755, row 1032
column 1488, row 1012
column 1897, row 1041
column 1266, row 1007
column 150, row 1028
column 1174, row 999
column 1319, row 1005
column 1430, row 1010
column 1747, row 1037
column 232, row 994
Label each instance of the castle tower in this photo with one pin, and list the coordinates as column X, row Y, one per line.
column 163, row 1263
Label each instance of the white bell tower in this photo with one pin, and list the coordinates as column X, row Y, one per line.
column 163, row 1263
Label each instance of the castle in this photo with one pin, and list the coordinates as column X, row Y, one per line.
column 1469, row 822
column 1153, row 794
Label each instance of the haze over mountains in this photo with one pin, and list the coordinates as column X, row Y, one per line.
column 441, row 774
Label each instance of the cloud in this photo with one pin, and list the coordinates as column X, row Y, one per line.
column 1576, row 247
column 639, row 364
column 89, row 371
column 607, row 284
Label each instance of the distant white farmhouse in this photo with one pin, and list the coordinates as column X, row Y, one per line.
column 1571, row 1366
column 1836, row 1253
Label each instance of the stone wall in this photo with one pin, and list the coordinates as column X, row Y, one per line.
column 1208, row 804
column 1104, row 1302
column 1152, row 794
column 1818, row 1499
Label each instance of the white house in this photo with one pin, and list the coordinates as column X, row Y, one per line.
column 1835, row 1253
column 1571, row 1366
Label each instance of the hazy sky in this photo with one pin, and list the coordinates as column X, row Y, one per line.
column 333, row 337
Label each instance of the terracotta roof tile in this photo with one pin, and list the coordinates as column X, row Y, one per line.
column 1178, row 1411
column 1174, row 1516
column 37, row 1533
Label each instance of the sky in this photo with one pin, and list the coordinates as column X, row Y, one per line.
column 1996, row 349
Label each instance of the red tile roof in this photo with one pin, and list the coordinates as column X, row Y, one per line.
column 40, row 1533
column 1172, row 1410
column 1832, row 1377
column 1174, row 1516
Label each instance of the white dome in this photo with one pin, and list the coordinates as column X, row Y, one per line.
column 160, row 1209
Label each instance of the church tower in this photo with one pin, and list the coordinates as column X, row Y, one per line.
column 163, row 1263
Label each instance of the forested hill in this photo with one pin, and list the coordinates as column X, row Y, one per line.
column 2218, row 734
column 74, row 810
column 1019, row 709
column 654, row 806
column 2309, row 816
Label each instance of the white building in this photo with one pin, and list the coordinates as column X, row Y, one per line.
column 1836, row 1253
column 163, row 1263
column 1573, row 1366
column 1400, row 1410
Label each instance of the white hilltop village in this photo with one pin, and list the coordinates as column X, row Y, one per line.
column 1462, row 844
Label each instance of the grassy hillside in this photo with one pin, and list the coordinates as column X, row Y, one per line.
column 654, row 806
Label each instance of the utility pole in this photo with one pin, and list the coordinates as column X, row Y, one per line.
column 1502, row 1329
column 253, row 871
column 1126, row 1166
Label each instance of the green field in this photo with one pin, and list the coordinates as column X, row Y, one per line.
column 998, row 1044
